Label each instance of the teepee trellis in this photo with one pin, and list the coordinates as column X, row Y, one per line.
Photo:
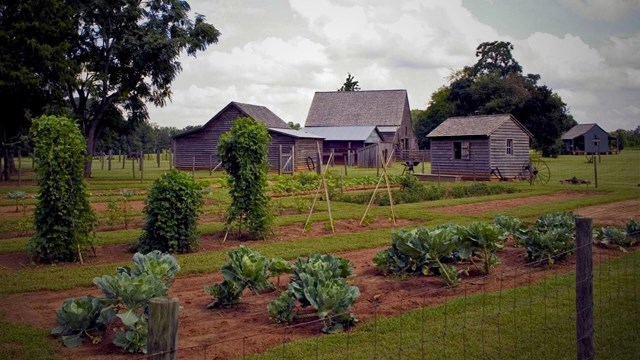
column 384, row 175
column 323, row 184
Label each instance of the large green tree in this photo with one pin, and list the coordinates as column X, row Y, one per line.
column 128, row 52
column 495, row 84
column 33, row 65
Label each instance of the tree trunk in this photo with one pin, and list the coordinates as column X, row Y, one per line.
column 91, row 146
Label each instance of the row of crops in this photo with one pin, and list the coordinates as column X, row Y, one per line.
column 322, row 283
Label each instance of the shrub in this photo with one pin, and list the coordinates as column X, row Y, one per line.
column 171, row 214
column 64, row 219
column 243, row 151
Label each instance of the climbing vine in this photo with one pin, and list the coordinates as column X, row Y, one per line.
column 63, row 218
column 243, row 151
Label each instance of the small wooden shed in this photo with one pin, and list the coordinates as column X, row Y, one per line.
column 476, row 146
column 585, row 139
column 198, row 148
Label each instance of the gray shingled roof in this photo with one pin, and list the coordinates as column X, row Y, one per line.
column 344, row 133
column 357, row 108
column 263, row 115
column 481, row 125
column 296, row 133
column 577, row 130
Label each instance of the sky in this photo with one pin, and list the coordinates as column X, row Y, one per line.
column 278, row 53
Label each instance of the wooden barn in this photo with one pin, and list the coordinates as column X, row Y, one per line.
column 387, row 110
column 344, row 141
column 476, row 146
column 198, row 148
column 585, row 139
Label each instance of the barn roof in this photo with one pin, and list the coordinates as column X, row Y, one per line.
column 357, row 108
column 480, row 125
column 344, row 133
column 256, row 112
column 578, row 130
column 296, row 133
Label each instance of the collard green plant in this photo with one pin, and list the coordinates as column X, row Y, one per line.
column 632, row 228
column 565, row 219
column 319, row 281
column 547, row 247
column 243, row 151
column 18, row 197
column 512, row 226
column 483, row 240
column 245, row 268
column 126, row 295
column 171, row 214
column 64, row 219
column 80, row 318
column 613, row 236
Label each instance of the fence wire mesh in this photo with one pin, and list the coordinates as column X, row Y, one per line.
column 527, row 312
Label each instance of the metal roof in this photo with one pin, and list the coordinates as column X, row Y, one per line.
column 481, row 125
column 296, row 133
column 578, row 130
column 344, row 133
column 357, row 108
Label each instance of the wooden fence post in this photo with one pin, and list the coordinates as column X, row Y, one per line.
column 158, row 156
column 193, row 167
column 19, row 167
column 162, row 338
column 280, row 159
column 110, row 158
column 141, row 165
column 133, row 167
column 584, row 290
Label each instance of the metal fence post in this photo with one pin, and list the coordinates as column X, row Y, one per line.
column 584, row 290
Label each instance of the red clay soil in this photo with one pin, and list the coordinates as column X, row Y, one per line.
column 493, row 205
column 246, row 328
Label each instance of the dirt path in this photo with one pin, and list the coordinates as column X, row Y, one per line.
column 614, row 214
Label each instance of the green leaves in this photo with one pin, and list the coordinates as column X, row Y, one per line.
column 80, row 317
column 243, row 151
column 318, row 281
column 63, row 217
column 171, row 214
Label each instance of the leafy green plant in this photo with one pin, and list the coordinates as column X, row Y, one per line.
column 547, row 247
column 610, row 236
column 126, row 295
column 171, row 214
column 80, row 318
column 18, row 197
column 113, row 212
column 632, row 228
column 245, row 268
column 243, row 151
column 318, row 281
column 64, row 219
column 484, row 240
column 512, row 226
column 126, row 197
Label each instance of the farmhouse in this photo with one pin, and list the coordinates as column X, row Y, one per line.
column 585, row 139
column 476, row 146
column 288, row 149
column 337, row 114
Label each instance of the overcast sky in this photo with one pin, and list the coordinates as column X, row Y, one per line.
column 277, row 53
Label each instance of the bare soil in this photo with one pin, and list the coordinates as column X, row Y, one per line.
column 246, row 328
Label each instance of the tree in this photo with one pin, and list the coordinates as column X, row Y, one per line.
column 126, row 53
column 294, row 126
column 33, row 65
column 496, row 85
column 349, row 84
column 243, row 151
column 63, row 218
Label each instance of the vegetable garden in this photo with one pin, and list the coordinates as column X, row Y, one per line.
column 366, row 281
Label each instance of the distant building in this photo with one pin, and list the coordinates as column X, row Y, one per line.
column 585, row 139
column 342, row 113
column 199, row 147
column 473, row 146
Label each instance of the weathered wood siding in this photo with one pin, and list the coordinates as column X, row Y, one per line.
column 596, row 133
column 405, row 138
column 303, row 148
column 203, row 143
column 509, row 165
column 274, row 148
column 307, row 148
column 443, row 162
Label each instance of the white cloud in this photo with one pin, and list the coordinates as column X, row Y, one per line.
column 623, row 51
column 603, row 9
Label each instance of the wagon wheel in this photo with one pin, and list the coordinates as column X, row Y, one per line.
column 310, row 163
column 536, row 171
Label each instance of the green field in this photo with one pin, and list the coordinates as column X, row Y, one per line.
column 618, row 179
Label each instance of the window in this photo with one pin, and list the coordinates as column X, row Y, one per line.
column 509, row 146
column 461, row 150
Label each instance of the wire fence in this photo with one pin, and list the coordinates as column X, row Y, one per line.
column 526, row 312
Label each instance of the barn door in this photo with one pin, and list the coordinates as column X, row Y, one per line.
column 286, row 160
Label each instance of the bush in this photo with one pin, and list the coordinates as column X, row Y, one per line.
column 64, row 219
column 171, row 214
